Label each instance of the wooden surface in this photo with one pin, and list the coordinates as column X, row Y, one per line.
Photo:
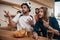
column 8, row 35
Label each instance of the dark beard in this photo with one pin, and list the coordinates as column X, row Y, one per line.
column 36, row 12
column 24, row 12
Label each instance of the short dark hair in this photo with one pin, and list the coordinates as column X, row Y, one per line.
column 18, row 11
column 36, row 8
column 26, row 5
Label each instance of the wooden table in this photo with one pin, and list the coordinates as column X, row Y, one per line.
column 7, row 35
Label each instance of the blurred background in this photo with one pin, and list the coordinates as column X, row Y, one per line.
column 57, row 10
column 14, row 5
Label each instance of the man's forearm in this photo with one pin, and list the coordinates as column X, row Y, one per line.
column 10, row 19
column 11, row 22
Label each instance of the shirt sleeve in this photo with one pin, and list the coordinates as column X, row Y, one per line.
column 16, row 18
column 55, row 23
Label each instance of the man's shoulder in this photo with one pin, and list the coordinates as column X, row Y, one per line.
column 18, row 14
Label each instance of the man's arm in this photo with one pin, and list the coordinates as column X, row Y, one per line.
column 11, row 23
column 30, row 22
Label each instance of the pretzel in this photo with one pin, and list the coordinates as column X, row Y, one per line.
column 20, row 33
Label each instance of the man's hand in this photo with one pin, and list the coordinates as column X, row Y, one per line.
column 29, row 21
column 7, row 13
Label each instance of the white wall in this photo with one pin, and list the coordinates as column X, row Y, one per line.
column 12, row 10
column 7, row 8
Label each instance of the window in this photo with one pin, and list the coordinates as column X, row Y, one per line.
column 57, row 11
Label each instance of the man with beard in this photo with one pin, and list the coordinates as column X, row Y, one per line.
column 36, row 14
column 23, row 20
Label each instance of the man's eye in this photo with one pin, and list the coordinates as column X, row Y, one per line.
column 41, row 11
column 23, row 7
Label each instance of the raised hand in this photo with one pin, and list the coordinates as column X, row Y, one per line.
column 7, row 13
column 29, row 21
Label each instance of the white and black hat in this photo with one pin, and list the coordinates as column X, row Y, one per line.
column 28, row 4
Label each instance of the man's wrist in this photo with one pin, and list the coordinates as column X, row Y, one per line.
column 32, row 25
